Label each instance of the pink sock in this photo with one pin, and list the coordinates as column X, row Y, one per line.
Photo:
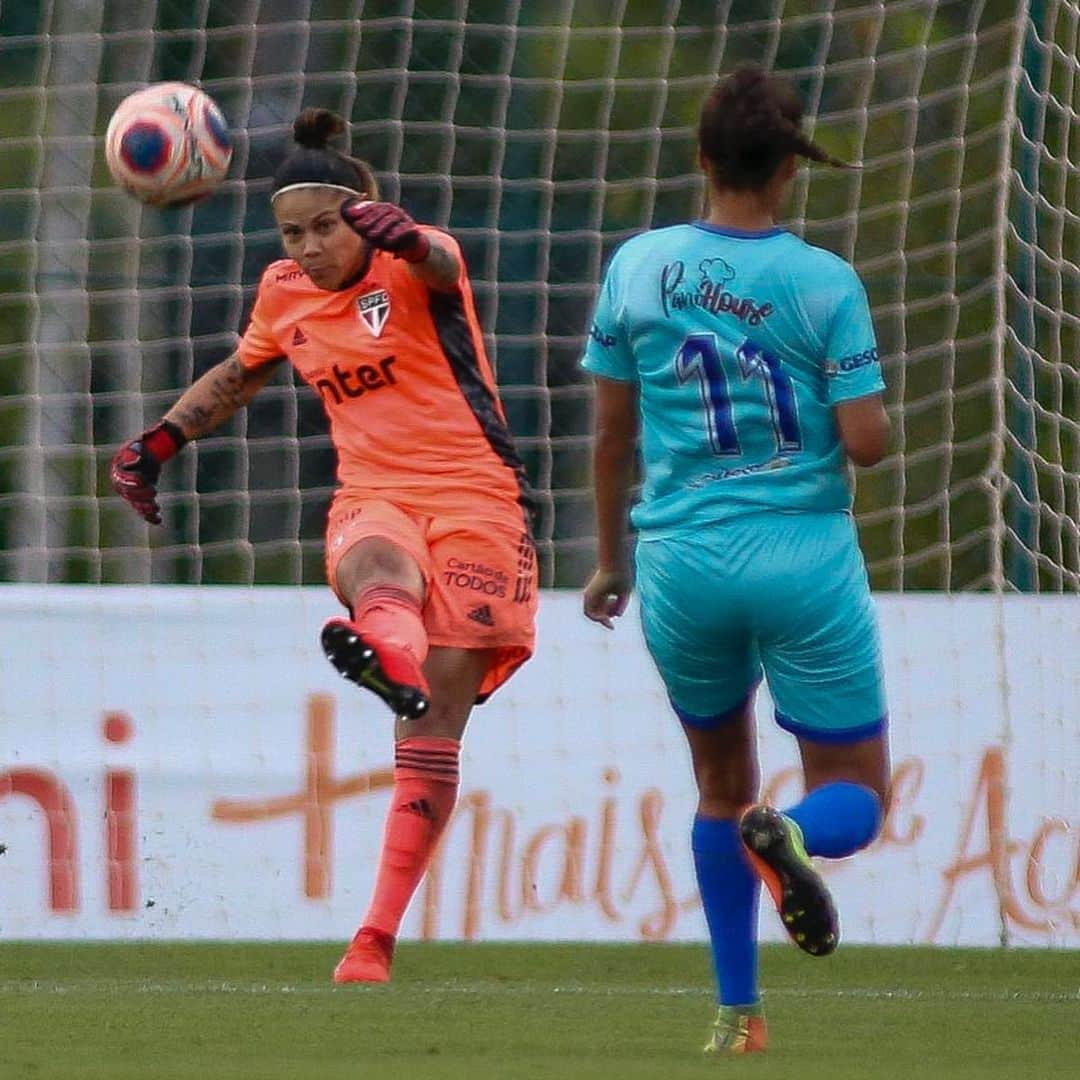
column 390, row 614
column 425, row 790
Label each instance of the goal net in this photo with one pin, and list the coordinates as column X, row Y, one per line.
column 542, row 135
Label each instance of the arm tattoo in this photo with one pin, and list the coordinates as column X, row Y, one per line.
column 194, row 418
column 214, row 397
column 440, row 270
column 227, row 386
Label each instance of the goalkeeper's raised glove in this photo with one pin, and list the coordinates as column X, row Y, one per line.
column 137, row 464
column 387, row 227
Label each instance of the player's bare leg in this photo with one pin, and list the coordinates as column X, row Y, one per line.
column 865, row 762
column 382, row 646
column 427, row 752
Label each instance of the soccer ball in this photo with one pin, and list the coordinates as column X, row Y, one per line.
column 168, row 144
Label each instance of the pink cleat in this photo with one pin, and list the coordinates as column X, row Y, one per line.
column 367, row 959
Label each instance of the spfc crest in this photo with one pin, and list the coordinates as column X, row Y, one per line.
column 374, row 308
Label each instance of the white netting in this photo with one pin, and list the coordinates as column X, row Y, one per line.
column 542, row 135
column 1041, row 363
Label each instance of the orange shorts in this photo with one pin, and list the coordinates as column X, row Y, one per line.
column 481, row 578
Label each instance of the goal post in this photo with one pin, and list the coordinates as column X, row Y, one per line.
column 542, row 135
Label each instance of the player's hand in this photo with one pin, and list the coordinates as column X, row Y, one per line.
column 387, row 227
column 137, row 464
column 606, row 596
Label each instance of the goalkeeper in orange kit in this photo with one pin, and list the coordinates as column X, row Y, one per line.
column 428, row 542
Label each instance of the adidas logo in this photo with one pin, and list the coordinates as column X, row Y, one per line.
column 420, row 807
column 299, row 337
column 482, row 614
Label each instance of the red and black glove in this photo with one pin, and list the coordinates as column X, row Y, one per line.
column 136, row 466
column 387, row 227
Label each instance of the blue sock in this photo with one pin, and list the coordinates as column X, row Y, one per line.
column 837, row 819
column 729, row 895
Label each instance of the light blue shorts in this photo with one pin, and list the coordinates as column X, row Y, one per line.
column 783, row 594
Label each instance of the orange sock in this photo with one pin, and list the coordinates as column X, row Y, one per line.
column 425, row 790
column 391, row 614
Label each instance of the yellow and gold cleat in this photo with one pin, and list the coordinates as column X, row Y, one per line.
column 738, row 1029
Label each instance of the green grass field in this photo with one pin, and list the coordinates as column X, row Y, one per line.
column 269, row 1012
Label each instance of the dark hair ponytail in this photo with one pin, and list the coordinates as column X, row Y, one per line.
column 315, row 161
column 749, row 123
column 315, row 128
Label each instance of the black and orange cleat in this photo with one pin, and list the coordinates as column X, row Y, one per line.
column 367, row 959
column 774, row 845
column 386, row 670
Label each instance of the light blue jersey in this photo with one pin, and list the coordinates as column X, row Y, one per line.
column 748, row 561
column 741, row 343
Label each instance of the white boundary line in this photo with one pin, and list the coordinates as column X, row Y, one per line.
column 99, row 986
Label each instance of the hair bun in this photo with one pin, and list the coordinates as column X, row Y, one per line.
column 314, row 128
column 754, row 106
column 748, row 78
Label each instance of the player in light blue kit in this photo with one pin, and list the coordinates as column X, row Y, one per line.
column 747, row 361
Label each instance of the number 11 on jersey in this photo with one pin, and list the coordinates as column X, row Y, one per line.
column 699, row 357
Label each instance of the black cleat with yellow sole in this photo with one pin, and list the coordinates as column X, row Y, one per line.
column 391, row 675
column 774, row 844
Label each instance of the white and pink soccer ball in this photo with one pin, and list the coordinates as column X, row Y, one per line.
column 168, row 144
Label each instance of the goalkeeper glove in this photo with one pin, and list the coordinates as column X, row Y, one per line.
column 136, row 465
column 387, row 227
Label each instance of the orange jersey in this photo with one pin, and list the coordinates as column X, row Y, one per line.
column 402, row 373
